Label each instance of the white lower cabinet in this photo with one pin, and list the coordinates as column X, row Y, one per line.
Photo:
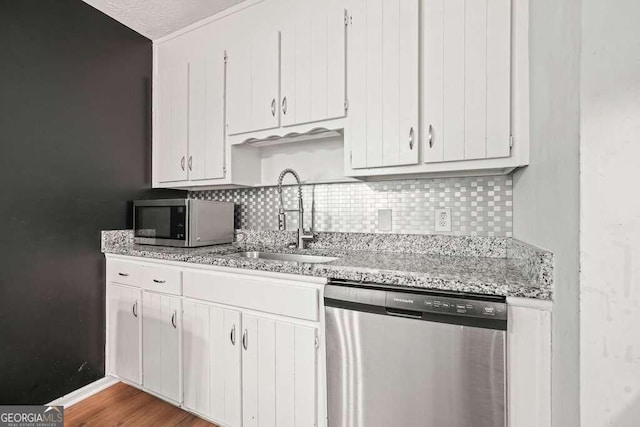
column 211, row 362
column 250, row 350
column 238, row 349
column 123, row 318
column 279, row 381
column 161, row 344
column 529, row 363
column 247, row 350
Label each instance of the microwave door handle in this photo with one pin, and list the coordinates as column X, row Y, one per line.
column 188, row 226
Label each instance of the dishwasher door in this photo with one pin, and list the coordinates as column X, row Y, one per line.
column 390, row 369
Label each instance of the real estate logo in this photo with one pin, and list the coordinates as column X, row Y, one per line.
column 31, row 416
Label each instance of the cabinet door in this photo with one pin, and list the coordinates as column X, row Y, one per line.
column 383, row 83
column 253, row 95
column 279, row 380
column 206, row 116
column 172, row 126
column 467, row 79
column 238, row 97
column 211, row 367
column 196, row 357
column 314, row 68
column 265, row 82
column 124, row 332
column 529, row 358
column 161, row 344
column 228, row 368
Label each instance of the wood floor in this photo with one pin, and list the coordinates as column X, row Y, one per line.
column 123, row 405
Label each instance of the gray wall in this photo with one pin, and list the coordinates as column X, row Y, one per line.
column 546, row 193
column 74, row 149
column 610, row 215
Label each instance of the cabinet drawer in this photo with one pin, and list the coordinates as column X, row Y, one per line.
column 127, row 273
column 254, row 293
column 165, row 280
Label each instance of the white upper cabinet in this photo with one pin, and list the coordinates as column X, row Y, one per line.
column 189, row 137
column 418, row 87
column 314, row 67
column 466, row 79
column 206, row 116
column 172, row 103
column 383, row 124
column 253, row 85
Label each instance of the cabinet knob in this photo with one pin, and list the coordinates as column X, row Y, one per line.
column 190, row 163
column 182, row 163
column 284, row 105
column 123, row 274
column 273, row 107
column 411, row 138
column 245, row 339
column 430, row 136
column 173, row 319
column 159, row 281
column 233, row 335
column 134, row 309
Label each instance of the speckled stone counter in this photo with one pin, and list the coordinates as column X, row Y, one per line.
column 484, row 265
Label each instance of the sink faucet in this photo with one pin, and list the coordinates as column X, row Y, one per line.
column 303, row 236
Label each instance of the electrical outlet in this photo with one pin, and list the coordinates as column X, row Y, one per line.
column 442, row 219
column 385, row 222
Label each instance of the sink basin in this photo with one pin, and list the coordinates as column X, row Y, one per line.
column 311, row 259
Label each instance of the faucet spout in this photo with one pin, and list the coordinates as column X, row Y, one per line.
column 303, row 236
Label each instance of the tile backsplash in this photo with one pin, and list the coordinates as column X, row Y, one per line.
column 480, row 206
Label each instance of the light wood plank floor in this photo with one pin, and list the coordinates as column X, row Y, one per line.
column 123, row 405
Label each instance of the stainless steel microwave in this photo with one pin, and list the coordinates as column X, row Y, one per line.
column 183, row 223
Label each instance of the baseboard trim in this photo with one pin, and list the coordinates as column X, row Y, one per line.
column 82, row 393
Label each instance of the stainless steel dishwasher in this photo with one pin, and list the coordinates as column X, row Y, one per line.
column 408, row 358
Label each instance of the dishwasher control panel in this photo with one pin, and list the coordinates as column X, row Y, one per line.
column 482, row 311
column 446, row 305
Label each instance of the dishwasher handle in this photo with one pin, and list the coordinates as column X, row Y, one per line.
column 407, row 314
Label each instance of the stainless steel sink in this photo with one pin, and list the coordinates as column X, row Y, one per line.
column 310, row 259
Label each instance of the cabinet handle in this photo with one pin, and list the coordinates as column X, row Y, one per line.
column 123, row 274
column 190, row 163
column 182, row 163
column 411, row 138
column 245, row 339
column 430, row 136
column 273, row 107
column 134, row 309
column 173, row 319
column 233, row 335
column 284, row 105
column 159, row 281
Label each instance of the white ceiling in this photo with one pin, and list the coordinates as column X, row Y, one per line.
column 157, row 18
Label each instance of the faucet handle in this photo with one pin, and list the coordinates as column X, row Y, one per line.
column 241, row 237
column 304, row 236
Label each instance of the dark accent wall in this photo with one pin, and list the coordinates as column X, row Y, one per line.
column 75, row 148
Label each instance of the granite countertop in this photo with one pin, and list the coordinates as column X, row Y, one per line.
column 528, row 273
